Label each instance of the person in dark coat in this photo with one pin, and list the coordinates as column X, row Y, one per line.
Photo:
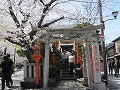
column 116, row 65
column 5, row 72
column 111, row 66
column 65, row 59
column 11, row 68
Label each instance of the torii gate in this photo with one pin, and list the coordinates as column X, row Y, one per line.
column 84, row 36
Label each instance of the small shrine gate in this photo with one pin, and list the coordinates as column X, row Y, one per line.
column 93, row 74
column 84, row 35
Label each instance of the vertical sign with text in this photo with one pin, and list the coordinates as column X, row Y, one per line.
column 96, row 63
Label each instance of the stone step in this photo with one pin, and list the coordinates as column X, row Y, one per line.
column 67, row 78
column 65, row 75
column 67, row 70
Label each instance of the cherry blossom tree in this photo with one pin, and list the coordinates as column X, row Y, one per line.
column 22, row 21
column 27, row 14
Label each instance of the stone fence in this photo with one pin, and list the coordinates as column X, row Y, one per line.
column 30, row 71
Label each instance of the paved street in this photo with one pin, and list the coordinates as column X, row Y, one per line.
column 17, row 77
column 70, row 85
column 63, row 85
column 114, row 82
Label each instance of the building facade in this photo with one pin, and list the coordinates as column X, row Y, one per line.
column 113, row 49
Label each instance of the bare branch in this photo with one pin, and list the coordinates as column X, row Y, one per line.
column 42, row 2
column 32, row 33
column 20, row 2
column 44, row 12
column 41, row 20
column 14, row 42
column 14, row 17
column 47, row 24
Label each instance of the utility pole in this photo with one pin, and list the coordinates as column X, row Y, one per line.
column 103, row 42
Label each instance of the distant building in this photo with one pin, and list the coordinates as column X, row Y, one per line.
column 113, row 49
column 117, row 47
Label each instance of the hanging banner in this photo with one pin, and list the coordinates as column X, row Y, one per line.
column 96, row 63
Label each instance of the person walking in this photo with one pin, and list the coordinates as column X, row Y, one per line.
column 11, row 69
column 116, row 66
column 65, row 59
column 71, row 61
column 5, row 72
column 111, row 64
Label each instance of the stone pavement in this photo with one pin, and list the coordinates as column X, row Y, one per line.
column 63, row 85
column 17, row 77
column 113, row 82
column 69, row 85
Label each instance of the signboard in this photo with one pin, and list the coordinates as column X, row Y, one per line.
column 96, row 63
column 102, row 36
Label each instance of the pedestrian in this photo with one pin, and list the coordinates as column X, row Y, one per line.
column 116, row 66
column 71, row 61
column 54, row 58
column 111, row 66
column 65, row 59
column 11, row 69
column 5, row 72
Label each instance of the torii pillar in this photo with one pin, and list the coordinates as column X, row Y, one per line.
column 77, row 53
column 88, row 62
column 46, row 63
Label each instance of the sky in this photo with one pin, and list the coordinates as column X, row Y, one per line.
column 112, row 27
column 108, row 6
